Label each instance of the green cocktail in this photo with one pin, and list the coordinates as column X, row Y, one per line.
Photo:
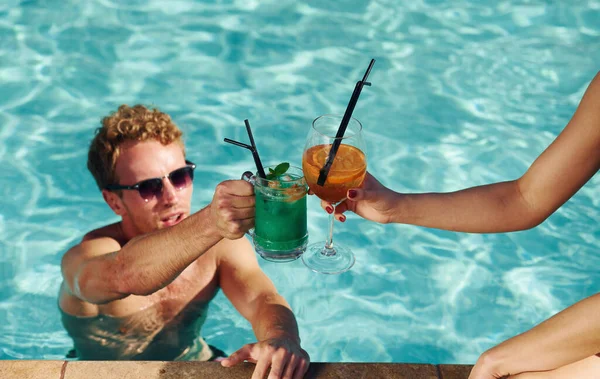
column 280, row 229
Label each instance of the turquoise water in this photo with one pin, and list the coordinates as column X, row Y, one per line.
column 463, row 94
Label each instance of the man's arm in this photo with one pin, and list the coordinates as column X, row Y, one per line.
column 556, row 175
column 99, row 270
column 253, row 294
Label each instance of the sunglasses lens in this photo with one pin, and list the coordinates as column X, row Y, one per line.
column 182, row 178
column 150, row 188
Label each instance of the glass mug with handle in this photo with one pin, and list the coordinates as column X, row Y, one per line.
column 280, row 232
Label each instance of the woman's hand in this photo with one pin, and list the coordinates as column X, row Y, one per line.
column 372, row 201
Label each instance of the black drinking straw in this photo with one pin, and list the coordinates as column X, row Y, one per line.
column 252, row 148
column 344, row 124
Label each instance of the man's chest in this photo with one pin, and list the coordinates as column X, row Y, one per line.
column 195, row 285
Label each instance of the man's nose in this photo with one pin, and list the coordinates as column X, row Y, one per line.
column 169, row 193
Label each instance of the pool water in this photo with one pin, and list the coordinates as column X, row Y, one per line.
column 464, row 93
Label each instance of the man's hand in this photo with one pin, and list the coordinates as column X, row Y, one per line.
column 372, row 201
column 232, row 208
column 284, row 356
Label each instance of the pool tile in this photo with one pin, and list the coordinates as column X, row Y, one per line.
column 185, row 370
column 31, row 369
column 106, row 370
column 454, row 371
column 371, row 370
column 213, row 370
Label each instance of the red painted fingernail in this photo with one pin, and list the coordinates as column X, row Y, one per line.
column 342, row 218
column 329, row 209
column 352, row 194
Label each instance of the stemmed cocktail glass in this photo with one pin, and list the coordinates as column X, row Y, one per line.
column 346, row 171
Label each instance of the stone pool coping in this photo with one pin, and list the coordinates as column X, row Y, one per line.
column 34, row 369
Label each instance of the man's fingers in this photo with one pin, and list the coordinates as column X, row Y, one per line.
column 239, row 214
column 290, row 368
column 235, row 229
column 279, row 361
column 235, row 187
column 261, row 367
column 276, row 370
column 234, row 194
column 239, row 356
column 242, row 202
column 301, row 369
column 223, row 202
column 237, row 218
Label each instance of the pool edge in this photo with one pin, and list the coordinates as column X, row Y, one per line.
column 47, row 369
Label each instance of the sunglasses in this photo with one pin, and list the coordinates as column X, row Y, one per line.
column 151, row 188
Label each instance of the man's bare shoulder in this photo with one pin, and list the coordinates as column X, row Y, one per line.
column 97, row 242
column 108, row 231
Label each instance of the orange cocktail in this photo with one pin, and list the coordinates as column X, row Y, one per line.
column 347, row 171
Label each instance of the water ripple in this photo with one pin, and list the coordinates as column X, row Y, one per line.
column 464, row 93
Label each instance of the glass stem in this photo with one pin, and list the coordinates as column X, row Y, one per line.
column 329, row 250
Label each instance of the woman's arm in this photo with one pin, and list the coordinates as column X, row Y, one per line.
column 567, row 337
column 556, row 175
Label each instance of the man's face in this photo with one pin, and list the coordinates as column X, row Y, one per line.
column 145, row 160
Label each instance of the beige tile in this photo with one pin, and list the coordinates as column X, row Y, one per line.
column 212, row 370
column 30, row 369
column 156, row 370
column 110, row 370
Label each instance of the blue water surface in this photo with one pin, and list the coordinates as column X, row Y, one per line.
column 464, row 93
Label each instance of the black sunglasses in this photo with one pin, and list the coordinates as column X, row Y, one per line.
column 150, row 188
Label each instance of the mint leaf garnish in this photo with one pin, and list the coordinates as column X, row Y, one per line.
column 279, row 170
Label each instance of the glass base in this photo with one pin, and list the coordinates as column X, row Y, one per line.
column 280, row 257
column 336, row 260
column 280, row 251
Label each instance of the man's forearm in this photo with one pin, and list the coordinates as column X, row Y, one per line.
column 567, row 337
column 150, row 262
column 491, row 208
column 275, row 319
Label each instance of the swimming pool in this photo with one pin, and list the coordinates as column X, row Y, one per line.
column 462, row 94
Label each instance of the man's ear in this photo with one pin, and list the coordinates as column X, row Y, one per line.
column 114, row 202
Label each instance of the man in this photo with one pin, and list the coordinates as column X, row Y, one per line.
column 139, row 289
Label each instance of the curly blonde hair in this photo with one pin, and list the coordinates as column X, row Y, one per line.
column 136, row 123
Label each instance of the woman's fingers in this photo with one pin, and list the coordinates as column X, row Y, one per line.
column 339, row 211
